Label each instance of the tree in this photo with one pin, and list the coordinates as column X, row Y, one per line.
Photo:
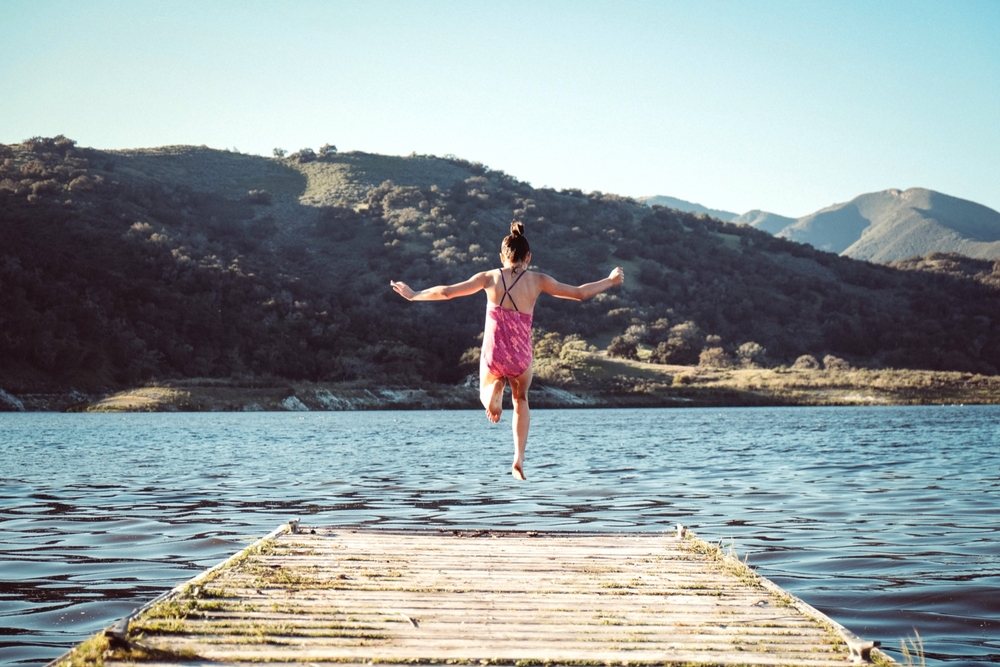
column 681, row 347
column 549, row 346
column 623, row 347
column 279, row 153
column 57, row 144
column 327, row 149
column 304, row 155
column 675, row 352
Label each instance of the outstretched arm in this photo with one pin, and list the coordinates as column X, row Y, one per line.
column 441, row 292
column 582, row 292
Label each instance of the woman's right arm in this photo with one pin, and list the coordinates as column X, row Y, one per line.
column 442, row 292
column 552, row 286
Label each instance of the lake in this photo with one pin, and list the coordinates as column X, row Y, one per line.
column 885, row 518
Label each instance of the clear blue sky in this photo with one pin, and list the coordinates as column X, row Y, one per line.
column 784, row 106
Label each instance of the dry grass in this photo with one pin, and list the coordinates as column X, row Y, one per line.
column 784, row 386
column 913, row 651
column 347, row 177
column 594, row 380
column 145, row 399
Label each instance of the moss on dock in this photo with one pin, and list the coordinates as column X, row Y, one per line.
column 428, row 598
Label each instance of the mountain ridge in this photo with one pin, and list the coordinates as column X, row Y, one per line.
column 687, row 206
column 772, row 223
column 888, row 225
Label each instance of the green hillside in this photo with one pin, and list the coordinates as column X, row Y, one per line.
column 120, row 267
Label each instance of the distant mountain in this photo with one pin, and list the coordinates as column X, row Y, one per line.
column 884, row 227
column 893, row 225
column 690, row 207
column 772, row 223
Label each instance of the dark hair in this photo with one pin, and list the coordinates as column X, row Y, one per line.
column 515, row 246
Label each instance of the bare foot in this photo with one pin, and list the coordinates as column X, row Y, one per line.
column 518, row 472
column 496, row 402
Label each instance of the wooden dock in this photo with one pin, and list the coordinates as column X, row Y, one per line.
column 363, row 596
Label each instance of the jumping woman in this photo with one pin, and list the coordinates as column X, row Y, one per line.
column 511, row 293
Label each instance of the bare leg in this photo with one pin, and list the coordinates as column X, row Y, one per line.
column 491, row 394
column 522, row 420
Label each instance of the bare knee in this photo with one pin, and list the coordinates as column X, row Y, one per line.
column 519, row 388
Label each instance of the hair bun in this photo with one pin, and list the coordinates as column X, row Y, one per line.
column 517, row 228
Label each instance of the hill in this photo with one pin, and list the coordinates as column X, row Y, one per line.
column 772, row 223
column 125, row 267
column 689, row 207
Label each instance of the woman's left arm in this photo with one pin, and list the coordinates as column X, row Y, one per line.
column 551, row 286
column 442, row 292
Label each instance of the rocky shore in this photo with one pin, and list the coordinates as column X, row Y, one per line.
column 604, row 386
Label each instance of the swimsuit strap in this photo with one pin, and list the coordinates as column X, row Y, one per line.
column 506, row 289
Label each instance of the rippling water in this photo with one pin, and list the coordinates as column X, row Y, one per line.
column 887, row 519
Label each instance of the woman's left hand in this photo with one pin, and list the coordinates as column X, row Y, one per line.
column 402, row 289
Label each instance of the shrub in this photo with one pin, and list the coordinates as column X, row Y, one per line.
column 258, row 197
column 832, row 363
column 806, row 362
column 689, row 333
column 279, row 153
column 48, row 186
column 715, row 357
column 573, row 349
column 402, row 196
column 35, row 169
column 750, row 354
column 658, row 330
column 81, row 184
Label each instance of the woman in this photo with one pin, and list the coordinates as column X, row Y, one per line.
column 511, row 293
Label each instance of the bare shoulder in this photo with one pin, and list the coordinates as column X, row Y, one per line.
column 544, row 281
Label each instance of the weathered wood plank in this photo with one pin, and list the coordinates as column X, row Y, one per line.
column 362, row 596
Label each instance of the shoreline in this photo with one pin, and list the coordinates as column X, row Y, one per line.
column 601, row 384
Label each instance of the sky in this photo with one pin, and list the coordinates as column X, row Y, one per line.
column 784, row 106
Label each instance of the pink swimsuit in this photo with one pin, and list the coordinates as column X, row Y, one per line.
column 506, row 339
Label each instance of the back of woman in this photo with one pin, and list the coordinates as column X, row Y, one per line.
column 506, row 352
